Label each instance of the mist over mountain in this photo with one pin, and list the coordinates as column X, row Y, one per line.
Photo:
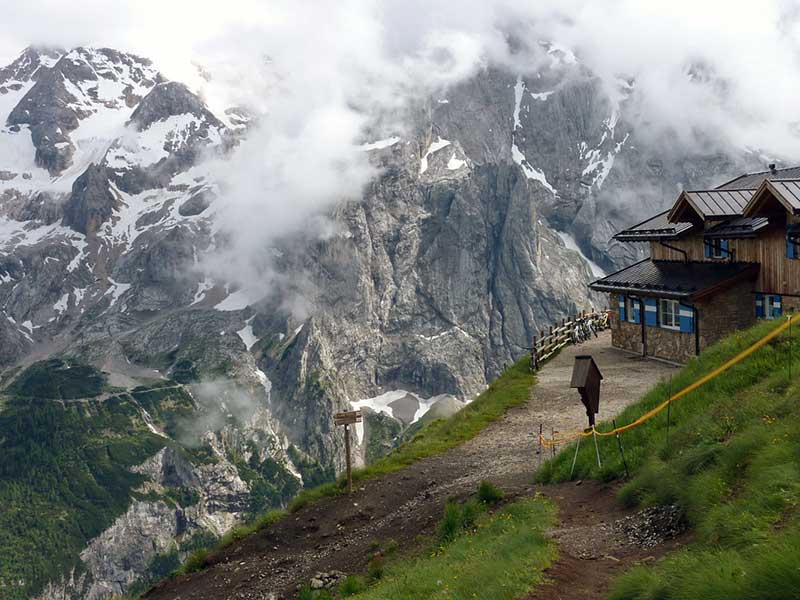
column 299, row 228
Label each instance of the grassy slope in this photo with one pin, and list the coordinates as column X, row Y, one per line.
column 503, row 558
column 732, row 465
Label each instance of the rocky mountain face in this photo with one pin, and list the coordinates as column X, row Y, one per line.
column 489, row 214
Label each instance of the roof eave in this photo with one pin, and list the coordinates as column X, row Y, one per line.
column 609, row 288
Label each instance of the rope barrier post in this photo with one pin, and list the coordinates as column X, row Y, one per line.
column 669, row 406
column 596, row 447
column 621, row 451
column 540, row 447
column 575, row 458
column 553, row 440
column 789, row 318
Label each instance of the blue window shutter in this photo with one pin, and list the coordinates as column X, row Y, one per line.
column 637, row 311
column 651, row 312
column 725, row 247
column 776, row 306
column 686, row 318
column 622, row 309
column 759, row 306
column 790, row 253
column 707, row 246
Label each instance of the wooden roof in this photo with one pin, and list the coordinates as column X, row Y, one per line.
column 785, row 191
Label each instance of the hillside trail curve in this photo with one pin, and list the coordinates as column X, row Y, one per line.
column 339, row 533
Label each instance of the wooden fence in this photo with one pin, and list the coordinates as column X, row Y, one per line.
column 549, row 342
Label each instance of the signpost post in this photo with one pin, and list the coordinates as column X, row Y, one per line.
column 346, row 419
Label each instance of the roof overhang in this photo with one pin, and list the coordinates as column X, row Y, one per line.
column 617, row 283
column 654, row 229
column 738, row 228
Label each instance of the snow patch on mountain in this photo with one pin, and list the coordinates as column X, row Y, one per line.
column 434, row 147
column 571, row 244
column 530, row 172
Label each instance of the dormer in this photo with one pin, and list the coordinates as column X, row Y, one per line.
column 775, row 198
column 708, row 207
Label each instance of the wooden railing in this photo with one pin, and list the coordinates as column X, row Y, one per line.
column 549, row 342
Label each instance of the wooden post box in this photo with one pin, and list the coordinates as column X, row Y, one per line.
column 586, row 376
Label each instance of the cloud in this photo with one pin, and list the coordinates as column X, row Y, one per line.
column 319, row 73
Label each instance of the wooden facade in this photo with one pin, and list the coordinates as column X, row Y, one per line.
column 777, row 275
column 752, row 233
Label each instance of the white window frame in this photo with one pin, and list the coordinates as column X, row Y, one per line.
column 630, row 304
column 675, row 314
column 768, row 306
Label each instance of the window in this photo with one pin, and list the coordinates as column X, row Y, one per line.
column 717, row 249
column 793, row 243
column 631, row 306
column 772, row 306
column 669, row 314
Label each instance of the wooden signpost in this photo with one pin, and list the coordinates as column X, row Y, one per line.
column 348, row 418
column 586, row 376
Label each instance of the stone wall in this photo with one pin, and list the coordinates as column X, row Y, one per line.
column 726, row 312
column 790, row 304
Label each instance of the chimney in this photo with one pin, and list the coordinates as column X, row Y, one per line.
column 772, row 169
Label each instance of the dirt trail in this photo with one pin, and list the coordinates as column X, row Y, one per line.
column 336, row 534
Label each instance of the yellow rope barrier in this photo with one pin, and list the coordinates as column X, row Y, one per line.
column 688, row 389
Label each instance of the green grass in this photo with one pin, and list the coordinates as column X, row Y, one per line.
column 732, row 466
column 502, row 558
column 511, row 389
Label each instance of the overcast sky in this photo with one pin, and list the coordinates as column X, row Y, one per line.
column 751, row 48
column 332, row 64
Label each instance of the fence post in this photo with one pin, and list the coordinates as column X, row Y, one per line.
column 540, row 446
column 621, row 451
column 669, row 405
column 575, row 458
column 596, row 447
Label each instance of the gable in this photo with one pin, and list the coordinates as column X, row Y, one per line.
column 775, row 197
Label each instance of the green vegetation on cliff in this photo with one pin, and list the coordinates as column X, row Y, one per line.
column 64, row 473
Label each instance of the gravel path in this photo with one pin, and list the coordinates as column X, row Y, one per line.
column 338, row 533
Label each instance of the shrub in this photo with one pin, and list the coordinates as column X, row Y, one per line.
column 488, row 493
column 376, row 566
column 351, row 585
column 450, row 525
column 197, row 561
column 469, row 514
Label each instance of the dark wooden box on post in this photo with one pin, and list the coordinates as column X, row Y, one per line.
column 348, row 418
column 586, row 376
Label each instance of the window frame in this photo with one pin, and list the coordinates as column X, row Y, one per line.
column 676, row 314
column 716, row 248
column 794, row 240
column 769, row 306
column 631, row 303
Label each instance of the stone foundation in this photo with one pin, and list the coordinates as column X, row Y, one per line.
column 720, row 315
